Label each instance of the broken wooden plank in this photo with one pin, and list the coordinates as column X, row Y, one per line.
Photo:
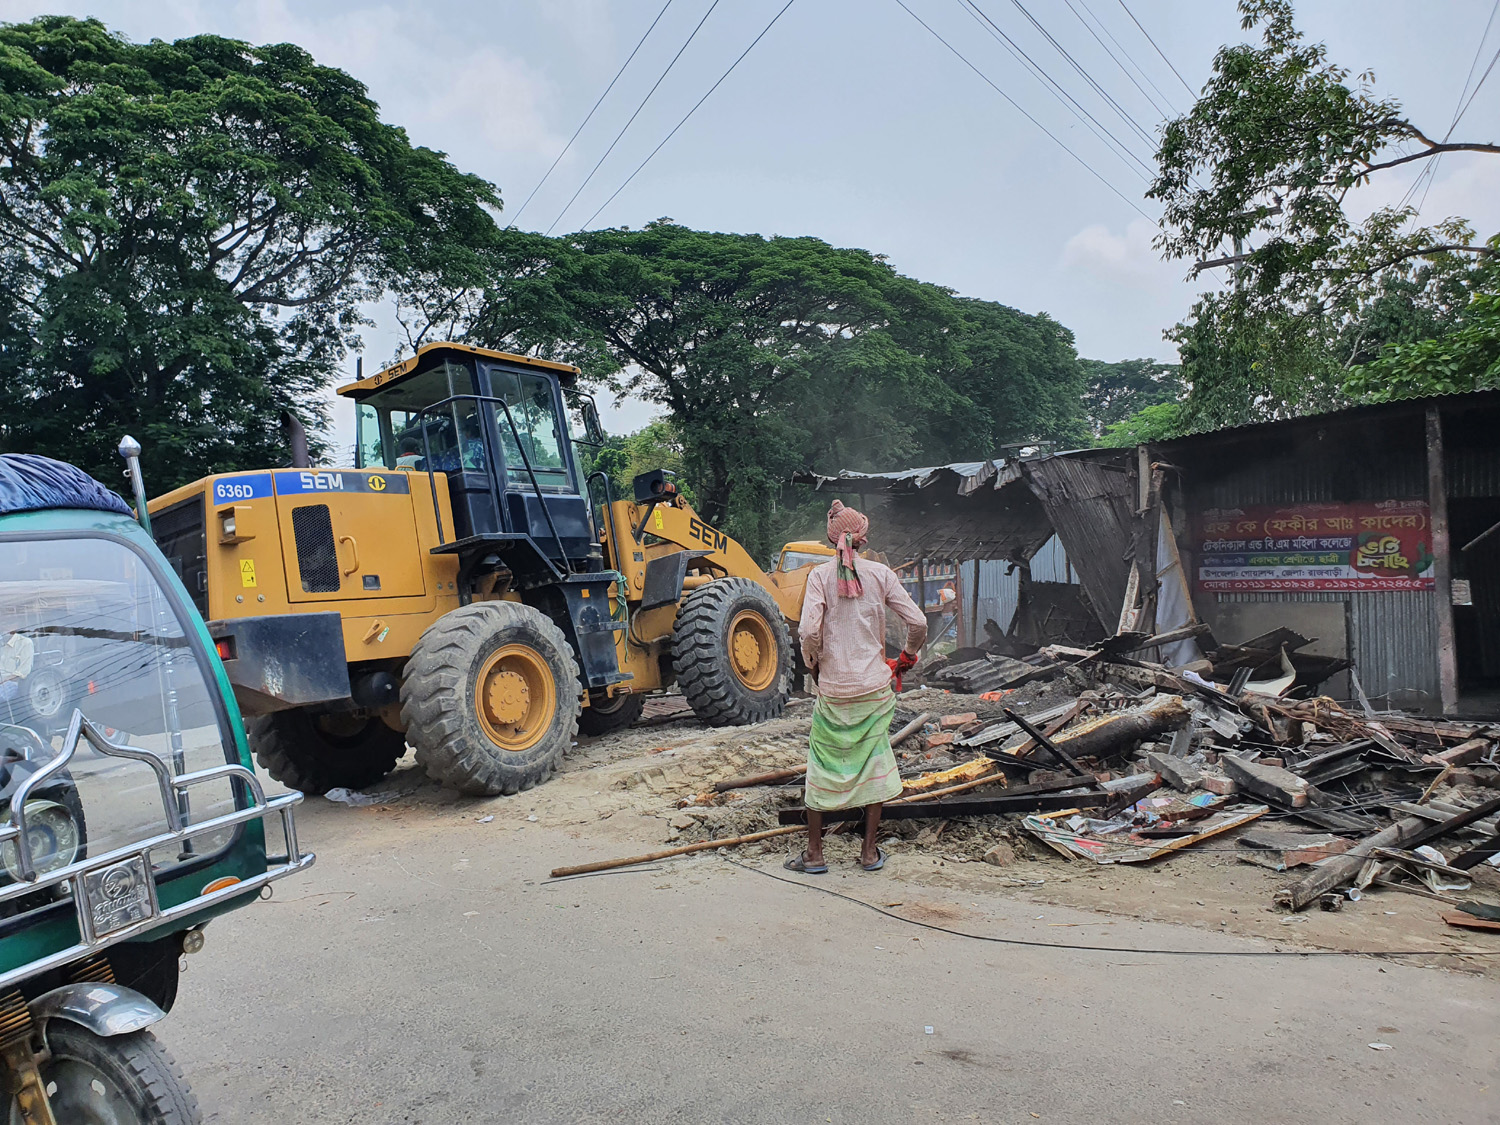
column 1046, row 743
column 1464, row 754
column 1467, row 921
column 1477, row 855
column 968, row 771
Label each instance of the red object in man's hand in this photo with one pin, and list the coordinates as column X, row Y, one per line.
column 902, row 663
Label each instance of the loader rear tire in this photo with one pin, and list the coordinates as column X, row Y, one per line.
column 491, row 698
column 609, row 715
column 732, row 654
column 314, row 753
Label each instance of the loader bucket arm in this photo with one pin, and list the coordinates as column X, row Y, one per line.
column 646, row 530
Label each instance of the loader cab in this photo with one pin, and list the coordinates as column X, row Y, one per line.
column 496, row 426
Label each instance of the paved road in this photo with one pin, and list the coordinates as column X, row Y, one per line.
column 425, row 973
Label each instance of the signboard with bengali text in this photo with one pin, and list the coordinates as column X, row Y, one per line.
column 1368, row 545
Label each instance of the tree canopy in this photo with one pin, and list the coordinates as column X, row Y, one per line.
column 774, row 355
column 1257, row 179
column 187, row 230
column 1115, row 391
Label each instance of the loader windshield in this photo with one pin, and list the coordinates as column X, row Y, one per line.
column 538, row 430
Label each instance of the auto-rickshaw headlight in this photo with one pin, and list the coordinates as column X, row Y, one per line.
column 52, row 838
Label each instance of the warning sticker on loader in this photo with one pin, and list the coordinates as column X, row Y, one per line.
column 247, row 573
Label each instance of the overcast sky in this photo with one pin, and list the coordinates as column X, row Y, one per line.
column 852, row 123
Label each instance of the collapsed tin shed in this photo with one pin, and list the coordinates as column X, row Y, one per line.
column 1374, row 532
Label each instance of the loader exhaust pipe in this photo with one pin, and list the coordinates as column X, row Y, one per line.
column 296, row 439
column 130, row 450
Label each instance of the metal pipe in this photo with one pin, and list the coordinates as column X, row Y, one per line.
column 130, row 449
column 296, row 439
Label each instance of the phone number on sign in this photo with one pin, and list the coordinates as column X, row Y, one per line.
column 1234, row 585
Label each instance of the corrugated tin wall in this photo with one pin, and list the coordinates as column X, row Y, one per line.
column 999, row 591
column 1392, row 634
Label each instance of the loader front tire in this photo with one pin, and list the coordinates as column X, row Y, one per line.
column 491, row 698
column 732, row 654
column 318, row 752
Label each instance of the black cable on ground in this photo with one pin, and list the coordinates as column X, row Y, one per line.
column 1123, row 948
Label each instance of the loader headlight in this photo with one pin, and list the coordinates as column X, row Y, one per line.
column 52, row 839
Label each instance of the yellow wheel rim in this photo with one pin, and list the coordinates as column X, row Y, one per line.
column 515, row 697
column 752, row 650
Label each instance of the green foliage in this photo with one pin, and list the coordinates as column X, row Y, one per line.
column 1255, row 177
column 657, row 445
column 774, row 355
column 1160, row 421
column 1116, row 391
column 186, row 233
column 1465, row 359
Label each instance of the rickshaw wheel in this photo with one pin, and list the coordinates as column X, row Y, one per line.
column 316, row 753
column 121, row 1080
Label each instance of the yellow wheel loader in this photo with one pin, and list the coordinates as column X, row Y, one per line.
column 453, row 592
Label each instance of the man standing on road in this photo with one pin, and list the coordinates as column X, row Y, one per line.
column 849, row 759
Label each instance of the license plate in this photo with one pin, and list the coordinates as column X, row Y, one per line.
column 119, row 896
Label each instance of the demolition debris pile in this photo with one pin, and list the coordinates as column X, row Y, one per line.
column 1106, row 757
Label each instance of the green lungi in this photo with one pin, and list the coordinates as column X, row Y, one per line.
column 849, row 759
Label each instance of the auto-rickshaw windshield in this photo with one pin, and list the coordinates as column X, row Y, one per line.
column 85, row 625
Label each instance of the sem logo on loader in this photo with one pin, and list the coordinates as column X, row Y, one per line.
column 705, row 534
column 303, row 483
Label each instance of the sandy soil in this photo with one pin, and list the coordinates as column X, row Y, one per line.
column 649, row 788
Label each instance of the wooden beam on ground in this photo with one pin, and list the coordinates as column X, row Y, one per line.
column 1477, row 855
column 668, row 853
column 969, row 806
column 755, row 779
column 910, row 729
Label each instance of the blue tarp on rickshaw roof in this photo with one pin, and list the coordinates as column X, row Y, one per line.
column 32, row 483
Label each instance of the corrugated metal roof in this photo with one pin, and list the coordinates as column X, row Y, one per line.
column 1459, row 400
column 963, row 477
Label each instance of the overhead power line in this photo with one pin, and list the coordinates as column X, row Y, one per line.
column 1116, row 58
column 590, row 116
column 594, row 170
column 692, row 111
column 1429, row 170
column 1017, row 107
column 1083, row 73
column 1477, row 86
column 1191, row 92
column 1055, row 88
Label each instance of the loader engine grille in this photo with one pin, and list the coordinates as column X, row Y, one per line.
column 317, row 557
column 179, row 532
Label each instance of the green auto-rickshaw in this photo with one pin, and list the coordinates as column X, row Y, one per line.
column 129, row 811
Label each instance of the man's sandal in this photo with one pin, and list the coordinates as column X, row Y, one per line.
column 800, row 863
column 879, row 861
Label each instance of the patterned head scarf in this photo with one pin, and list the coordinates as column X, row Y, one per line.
column 848, row 531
